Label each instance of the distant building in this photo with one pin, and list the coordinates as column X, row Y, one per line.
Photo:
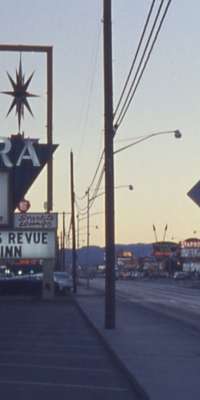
column 190, row 255
column 166, row 255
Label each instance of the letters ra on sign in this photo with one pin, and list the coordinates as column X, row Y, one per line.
column 4, row 199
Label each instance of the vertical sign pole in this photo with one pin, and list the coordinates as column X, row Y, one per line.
column 4, row 198
column 49, row 127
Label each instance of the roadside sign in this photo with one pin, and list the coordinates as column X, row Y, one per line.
column 36, row 220
column 36, row 244
column 25, row 159
column 4, row 198
column 194, row 193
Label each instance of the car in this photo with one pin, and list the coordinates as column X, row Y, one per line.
column 180, row 275
column 62, row 281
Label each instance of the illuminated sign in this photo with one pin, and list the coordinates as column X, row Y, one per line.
column 125, row 254
column 190, row 243
column 190, row 248
column 4, row 198
column 36, row 220
column 164, row 249
column 28, row 244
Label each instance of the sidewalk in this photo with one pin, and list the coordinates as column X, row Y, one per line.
column 49, row 351
column 161, row 354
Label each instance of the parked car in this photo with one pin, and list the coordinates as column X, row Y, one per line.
column 180, row 275
column 62, row 281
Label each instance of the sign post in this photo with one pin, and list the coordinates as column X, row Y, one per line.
column 48, row 281
column 4, row 199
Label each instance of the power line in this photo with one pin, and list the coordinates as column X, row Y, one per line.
column 130, row 98
column 135, row 57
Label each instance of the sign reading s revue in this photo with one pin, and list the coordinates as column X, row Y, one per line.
column 28, row 244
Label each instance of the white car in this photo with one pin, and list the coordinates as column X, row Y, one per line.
column 63, row 281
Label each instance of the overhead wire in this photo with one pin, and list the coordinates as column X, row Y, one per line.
column 135, row 57
column 130, row 96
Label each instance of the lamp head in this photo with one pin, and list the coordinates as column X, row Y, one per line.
column 177, row 134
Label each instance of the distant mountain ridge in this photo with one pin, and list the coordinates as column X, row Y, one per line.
column 95, row 255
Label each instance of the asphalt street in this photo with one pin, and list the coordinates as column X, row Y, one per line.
column 156, row 340
column 164, row 294
column 49, row 351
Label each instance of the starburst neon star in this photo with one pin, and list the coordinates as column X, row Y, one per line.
column 20, row 94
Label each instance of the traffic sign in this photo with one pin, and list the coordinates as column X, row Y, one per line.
column 194, row 193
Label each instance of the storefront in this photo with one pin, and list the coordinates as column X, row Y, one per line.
column 190, row 255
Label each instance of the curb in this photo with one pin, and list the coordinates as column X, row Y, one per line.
column 136, row 386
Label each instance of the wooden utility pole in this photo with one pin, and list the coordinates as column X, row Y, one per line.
column 73, row 224
column 109, row 171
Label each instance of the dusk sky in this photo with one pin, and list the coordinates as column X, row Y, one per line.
column 163, row 169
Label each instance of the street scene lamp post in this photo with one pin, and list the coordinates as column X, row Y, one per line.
column 110, row 304
column 109, row 133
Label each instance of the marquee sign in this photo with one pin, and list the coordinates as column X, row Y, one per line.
column 25, row 159
column 27, row 244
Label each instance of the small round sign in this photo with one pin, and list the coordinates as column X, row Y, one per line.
column 24, row 205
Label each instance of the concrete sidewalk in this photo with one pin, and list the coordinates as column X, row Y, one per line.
column 160, row 353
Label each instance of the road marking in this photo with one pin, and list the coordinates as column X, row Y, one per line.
column 39, row 366
column 35, row 353
column 63, row 385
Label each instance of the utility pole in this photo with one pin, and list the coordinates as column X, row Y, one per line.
column 88, row 236
column 88, row 218
column 73, row 224
column 109, row 170
column 77, row 229
column 63, row 239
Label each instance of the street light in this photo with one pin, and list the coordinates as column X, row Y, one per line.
column 110, row 250
column 176, row 132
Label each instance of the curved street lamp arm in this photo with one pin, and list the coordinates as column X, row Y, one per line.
column 176, row 132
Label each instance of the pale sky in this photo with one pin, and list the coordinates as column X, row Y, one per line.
column 163, row 169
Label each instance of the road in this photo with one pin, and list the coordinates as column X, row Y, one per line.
column 180, row 299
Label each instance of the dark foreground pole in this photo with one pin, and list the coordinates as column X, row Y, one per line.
column 73, row 224
column 109, row 171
